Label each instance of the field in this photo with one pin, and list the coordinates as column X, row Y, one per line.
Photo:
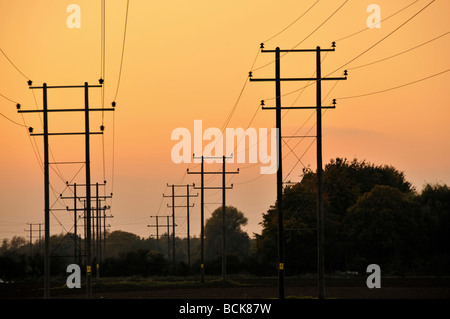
column 236, row 287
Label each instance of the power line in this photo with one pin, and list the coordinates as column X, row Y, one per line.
column 12, row 120
column 395, row 55
column 254, row 62
column 383, row 20
column 123, row 49
column 395, row 87
column 384, row 38
column 365, row 51
column 292, row 23
column 14, row 65
column 317, row 28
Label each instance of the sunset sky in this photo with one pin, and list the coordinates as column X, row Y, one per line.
column 189, row 60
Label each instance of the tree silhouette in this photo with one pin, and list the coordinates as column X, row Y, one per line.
column 237, row 240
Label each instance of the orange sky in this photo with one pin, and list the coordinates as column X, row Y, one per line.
column 188, row 60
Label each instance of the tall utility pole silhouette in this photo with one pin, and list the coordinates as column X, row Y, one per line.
column 95, row 218
column 318, row 107
column 31, row 230
column 223, row 188
column 94, row 221
column 46, row 135
column 157, row 232
column 187, row 206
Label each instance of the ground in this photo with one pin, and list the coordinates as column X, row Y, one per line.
column 236, row 287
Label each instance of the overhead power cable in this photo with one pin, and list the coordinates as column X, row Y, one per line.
column 123, row 50
column 315, row 30
column 403, row 52
column 393, row 88
column 26, row 77
column 382, row 20
column 292, row 23
column 384, row 38
column 365, row 51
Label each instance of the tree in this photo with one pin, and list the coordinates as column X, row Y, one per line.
column 344, row 182
column 237, row 240
column 435, row 205
column 121, row 241
column 383, row 228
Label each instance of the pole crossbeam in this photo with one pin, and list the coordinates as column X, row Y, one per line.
column 295, row 79
column 65, row 86
column 66, row 133
column 67, row 110
column 278, row 79
column 296, row 107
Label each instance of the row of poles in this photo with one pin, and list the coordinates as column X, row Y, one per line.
column 188, row 195
column 87, row 163
column 278, row 79
column 278, row 107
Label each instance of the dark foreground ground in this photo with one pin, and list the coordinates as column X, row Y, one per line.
column 234, row 288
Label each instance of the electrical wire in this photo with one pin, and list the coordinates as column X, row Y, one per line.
column 292, row 23
column 12, row 120
column 315, row 30
column 382, row 20
column 385, row 37
column 365, row 51
column 14, row 65
column 403, row 52
column 395, row 87
column 123, row 50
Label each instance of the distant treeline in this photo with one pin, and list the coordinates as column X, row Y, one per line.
column 373, row 215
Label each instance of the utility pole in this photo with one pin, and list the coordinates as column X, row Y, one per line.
column 75, row 210
column 157, row 232
column 46, row 135
column 187, row 206
column 223, row 188
column 95, row 220
column 318, row 107
column 31, row 235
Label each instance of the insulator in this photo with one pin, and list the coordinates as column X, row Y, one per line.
column 261, row 46
column 102, row 128
column 18, row 106
column 29, row 82
column 250, row 74
column 333, row 44
column 113, row 104
column 30, row 129
column 100, row 81
column 262, row 103
column 345, row 73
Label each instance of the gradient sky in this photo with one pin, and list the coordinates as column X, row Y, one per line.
column 189, row 60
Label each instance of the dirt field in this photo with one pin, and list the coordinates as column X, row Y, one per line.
column 237, row 288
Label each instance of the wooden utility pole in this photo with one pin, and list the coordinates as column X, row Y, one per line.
column 46, row 135
column 95, row 218
column 187, row 206
column 31, row 230
column 157, row 232
column 223, row 188
column 318, row 107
